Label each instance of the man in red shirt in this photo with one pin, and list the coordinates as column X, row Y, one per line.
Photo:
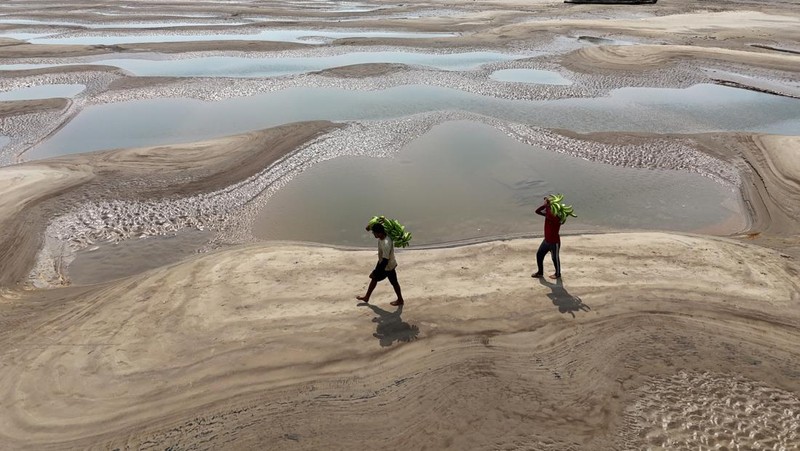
column 551, row 242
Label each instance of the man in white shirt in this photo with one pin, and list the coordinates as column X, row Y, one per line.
column 385, row 267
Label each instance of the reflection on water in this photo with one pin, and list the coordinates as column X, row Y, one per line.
column 42, row 92
column 224, row 66
column 111, row 261
column 701, row 108
column 287, row 35
column 544, row 77
column 467, row 180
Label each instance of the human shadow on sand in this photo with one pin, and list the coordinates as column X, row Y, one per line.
column 391, row 328
column 565, row 302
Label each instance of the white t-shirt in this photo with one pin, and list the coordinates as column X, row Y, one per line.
column 386, row 250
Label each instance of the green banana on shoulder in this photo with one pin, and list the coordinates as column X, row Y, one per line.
column 396, row 231
column 559, row 209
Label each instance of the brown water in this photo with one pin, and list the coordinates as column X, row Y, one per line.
column 465, row 180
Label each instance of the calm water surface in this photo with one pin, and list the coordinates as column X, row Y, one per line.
column 465, row 180
column 285, row 35
column 42, row 92
column 701, row 108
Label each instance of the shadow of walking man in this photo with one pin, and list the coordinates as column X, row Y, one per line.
column 565, row 302
column 391, row 328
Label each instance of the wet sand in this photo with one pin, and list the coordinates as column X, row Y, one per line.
column 653, row 340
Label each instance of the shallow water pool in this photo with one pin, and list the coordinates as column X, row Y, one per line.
column 280, row 35
column 701, row 108
column 465, row 180
column 42, row 92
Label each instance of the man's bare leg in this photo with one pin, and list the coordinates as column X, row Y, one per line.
column 399, row 301
column 372, row 284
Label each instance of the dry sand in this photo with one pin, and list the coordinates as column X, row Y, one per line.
column 266, row 345
column 652, row 340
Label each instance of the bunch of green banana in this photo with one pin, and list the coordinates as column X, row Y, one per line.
column 559, row 209
column 395, row 230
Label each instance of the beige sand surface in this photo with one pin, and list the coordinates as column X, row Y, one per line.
column 12, row 108
column 651, row 57
column 266, row 345
column 35, row 192
column 653, row 340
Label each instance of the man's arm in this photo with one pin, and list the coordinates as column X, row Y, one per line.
column 381, row 266
column 542, row 211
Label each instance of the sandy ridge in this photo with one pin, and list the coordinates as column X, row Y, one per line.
column 649, row 57
column 127, row 174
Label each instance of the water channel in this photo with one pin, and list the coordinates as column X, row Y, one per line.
column 700, row 108
column 279, row 35
column 42, row 92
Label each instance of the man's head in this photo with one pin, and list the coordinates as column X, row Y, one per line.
column 378, row 231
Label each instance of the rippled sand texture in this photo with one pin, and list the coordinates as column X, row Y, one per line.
column 715, row 411
column 245, row 347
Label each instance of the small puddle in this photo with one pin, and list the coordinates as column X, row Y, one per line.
column 223, row 66
column 701, row 108
column 42, row 92
column 544, row 77
column 465, row 180
column 286, row 35
column 109, row 261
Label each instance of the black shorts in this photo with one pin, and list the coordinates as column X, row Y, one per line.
column 379, row 275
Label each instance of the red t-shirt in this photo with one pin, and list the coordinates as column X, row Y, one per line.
column 551, row 225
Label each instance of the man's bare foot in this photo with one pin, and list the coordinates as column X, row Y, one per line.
column 536, row 274
column 555, row 276
column 363, row 299
column 397, row 302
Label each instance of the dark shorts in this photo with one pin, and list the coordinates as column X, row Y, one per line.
column 380, row 275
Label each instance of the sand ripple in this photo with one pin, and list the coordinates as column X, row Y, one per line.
column 690, row 411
